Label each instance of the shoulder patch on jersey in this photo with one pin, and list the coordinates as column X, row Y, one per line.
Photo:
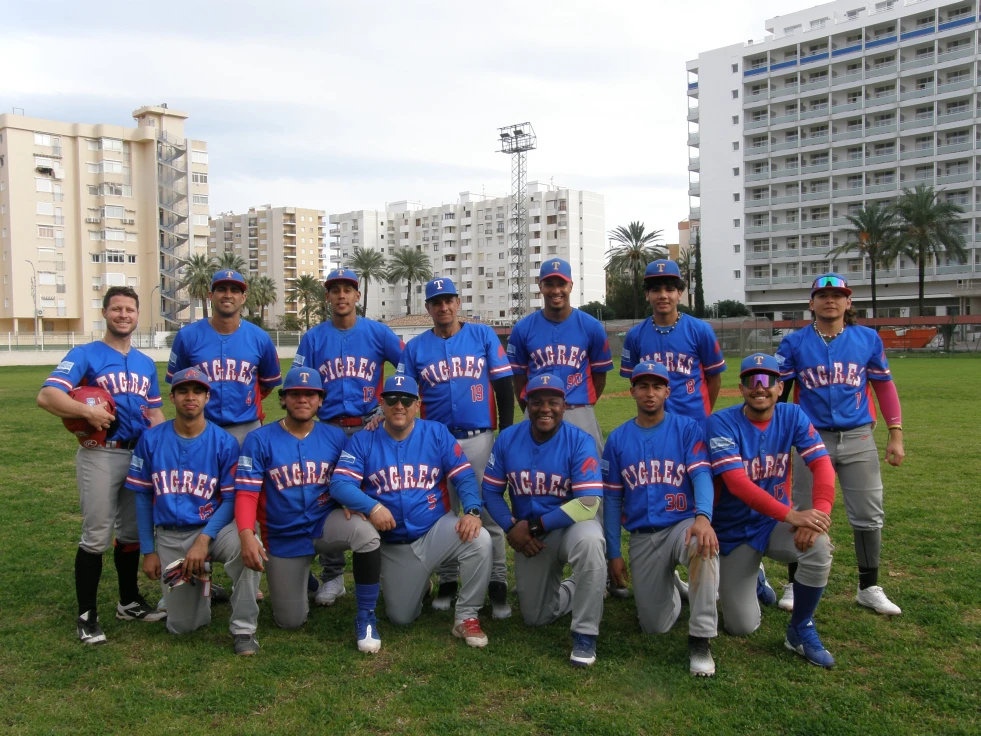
column 400, row 368
column 626, row 354
column 605, row 466
column 173, row 358
column 721, row 443
column 136, row 463
column 490, row 461
column 510, row 349
column 65, row 366
column 780, row 359
column 298, row 360
column 244, row 462
column 348, row 457
column 589, row 465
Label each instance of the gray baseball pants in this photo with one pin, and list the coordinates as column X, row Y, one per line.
column 107, row 508
column 238, row 431
column 542, row 594
column 739, row 568
column 478, row 450
column 653, row 558
column 405, row 570
column 187, row 608
column 584, row 417
column 332, row 563
column 287, row 576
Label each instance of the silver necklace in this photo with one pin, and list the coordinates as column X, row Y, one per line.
column 282, row 423
column 665, row 330
column 828, row 338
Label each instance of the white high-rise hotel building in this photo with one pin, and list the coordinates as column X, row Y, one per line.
column 844, row 104
column 468, row 241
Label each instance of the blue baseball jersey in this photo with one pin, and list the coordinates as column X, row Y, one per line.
column 735, row 443
column 542, row 476
column 351, row 364
column 292, row 479
column 236, row 365
column 573, row 349
column 189, row 478
column 131, row 379
column 652, row 469
column 690, row 352
column 407, row 476
column 455, row 374
column 832, row 378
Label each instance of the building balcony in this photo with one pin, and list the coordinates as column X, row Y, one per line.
column 816, row 224
column 954, row 178
column 752, row 204
column 879, row 188
column 787, row 91
column 821, row 112
column 954, row 86
column 846, row 163
column 846, row 107
column 888, row 99
column 756, row 124
column 785, row 227
column 785, row 199
column 954, row 148
column 694, row 189
column 815, row 196
column 694, row 164
column 848, row 135
column 753, row 229
column 815, row 168
column 785, row 146
column 846, row 79
column 881, row 71
column 752, row 152
column 755, row 99
column 783, row 119
column 952, row 117
column 847, row 192
column 693, row 114
column 819, row 140
column 923, row 122
column 695, row 213
column 758, row 255
column 760, row 176
column 916, row 153
column 881, row 159
column 693, row 139
column 788, row 253
column 811, row 86
column 961, row 53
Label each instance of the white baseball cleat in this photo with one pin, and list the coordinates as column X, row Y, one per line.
column 330, row 591
column 700, row 661
column 681, row 585
column 874, row 597
column 786, row 602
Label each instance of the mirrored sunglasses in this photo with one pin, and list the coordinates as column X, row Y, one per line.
column 830, row 282
column 766, row 380
column 393, row 399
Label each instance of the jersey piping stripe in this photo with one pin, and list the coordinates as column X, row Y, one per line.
column 503, row 370
column 603, row 363
column 61, row 383
column 270, row 379
column 727, row 460
column 458, row 469
column 592, row 485
column 349, row 473
column 138, row 482
column 613, row 486
column 494, row 481
column 239, row 480
column 699, row 464
column 720, row 364
column 813, row 448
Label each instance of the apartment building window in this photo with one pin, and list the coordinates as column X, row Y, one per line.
column 44, row 231
column 45, row 208
column 924, row 83
column 735, row 171
column 199, row 199
column 199, row 157
column 200, row 220
column 43, row 185
column 819, row 23
column 736, row 222
column 735, row 196
column 735, row 145
column 735, row 248
column 924, row 52
column 735, row 94
column 735, row 68
column 735, row 120
column 958, row 136
column 955, row 107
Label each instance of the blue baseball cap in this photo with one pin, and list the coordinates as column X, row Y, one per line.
column 190, row 375
column 834, row 281
column 440, row 287
column 555, row 267
column 650, row 368
column 759, row 363
column 303, row 379
column 545, row 382
column 401, row 384
column 662, row 268
column 228, row 277
column 342, row 274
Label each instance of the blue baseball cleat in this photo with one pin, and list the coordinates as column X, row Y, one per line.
column 764, row 591
column 366, row 628
column 804, row 640
column 583, row 650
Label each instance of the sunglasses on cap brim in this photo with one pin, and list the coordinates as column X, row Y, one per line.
column 766, row 380
column 830, row 282
column 405, row 400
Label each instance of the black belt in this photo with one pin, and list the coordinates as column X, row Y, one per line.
column 349, row 421
column 176, row 528
column 120, row 444
column 463, row 434
column 403, row 541
column 649, row 529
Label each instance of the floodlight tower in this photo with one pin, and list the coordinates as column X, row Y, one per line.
column 517, row 140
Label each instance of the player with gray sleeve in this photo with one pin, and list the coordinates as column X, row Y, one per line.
column 552, row 470
column 657, row 483
column 101, row 463
column 464, row 382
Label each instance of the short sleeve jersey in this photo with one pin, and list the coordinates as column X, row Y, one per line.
column 455, row 374
column 652, row 470
column 832, row 378
column 351, row 364
column 236, row 365
column 573, row 349
column 292, row 479
column 735, row 443
column 690, row 352
column 188, row 478
column 131, row 379
column 543, row 476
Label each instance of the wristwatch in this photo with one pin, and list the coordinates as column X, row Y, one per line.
column 475, row 511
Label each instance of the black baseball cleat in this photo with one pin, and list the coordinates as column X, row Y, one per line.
column 219, row 594
column 139, row 610
column 89, row 631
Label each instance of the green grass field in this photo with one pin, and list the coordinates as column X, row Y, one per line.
column 916, row 674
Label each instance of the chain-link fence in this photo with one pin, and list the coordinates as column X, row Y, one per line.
column 64, row 341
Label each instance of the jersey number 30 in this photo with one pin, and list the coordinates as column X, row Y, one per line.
column 675, row 501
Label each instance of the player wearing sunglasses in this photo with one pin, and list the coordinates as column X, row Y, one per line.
column 750, row 448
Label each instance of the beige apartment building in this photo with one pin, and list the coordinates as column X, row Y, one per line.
column 282, row 243
column 85, row 207
column 468, row 241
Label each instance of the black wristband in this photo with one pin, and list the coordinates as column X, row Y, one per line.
column 537, row 529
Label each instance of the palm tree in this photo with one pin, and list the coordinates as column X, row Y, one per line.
column 305, row 289
column 230, row 261
column 261, row 294
column 872, row 235
column 198, row 271
column 686, row 264
column 368, row 264
column 634, row 250
column 409, row 265
column 927, row 226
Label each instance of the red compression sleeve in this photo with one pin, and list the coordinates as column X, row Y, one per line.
column 885, row 394
column 752, row 495
column 823, row 493
column 246, row 506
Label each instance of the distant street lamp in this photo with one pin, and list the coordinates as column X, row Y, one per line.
column 34, row 295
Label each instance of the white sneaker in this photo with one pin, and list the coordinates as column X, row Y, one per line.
column 874, row 597
column 786, row 603
column 330, row 591
column 681, row 585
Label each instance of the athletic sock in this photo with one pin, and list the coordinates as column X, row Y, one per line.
column 367, row 566
column 792, row 571
column 88, row 571
column 806, row 599
column 366, row 596
column 867, row 577
column 127, row 559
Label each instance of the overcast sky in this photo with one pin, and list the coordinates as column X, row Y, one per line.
column 343, row 106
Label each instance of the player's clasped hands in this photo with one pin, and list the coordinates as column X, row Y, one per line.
column 812, row 519
column 521, row 540
column 381, row 518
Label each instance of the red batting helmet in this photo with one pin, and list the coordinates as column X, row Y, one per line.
column 89, row 436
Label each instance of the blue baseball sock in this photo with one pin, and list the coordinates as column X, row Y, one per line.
column 806, row 599
column 366, row 596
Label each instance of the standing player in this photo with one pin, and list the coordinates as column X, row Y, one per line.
column 463, row 373
column 657, row 483
column 396, row 476
column 100, row 469
column 349, row 352
column 567, row 344
column 552, row 469
column 183, row 475
column 834, row 363
column 750, row 447
column 238, row 358
column 283, row 478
